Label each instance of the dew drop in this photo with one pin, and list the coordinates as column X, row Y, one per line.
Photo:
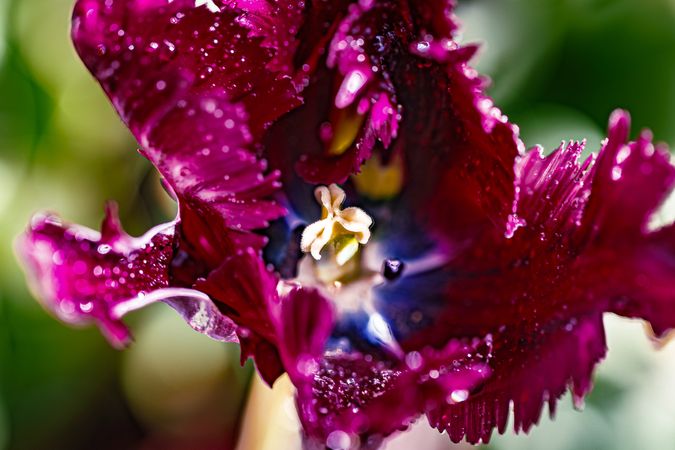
column 616, row 173
column 392, row 269
column 413, row 360
column 338, row 440
column 458, row 396
column 104, row 249
column 57, row 258
column 423, row 46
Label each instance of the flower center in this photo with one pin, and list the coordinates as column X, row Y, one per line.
column 339, row 232
column 340, row 266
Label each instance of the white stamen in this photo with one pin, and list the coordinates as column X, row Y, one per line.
column 335, row 222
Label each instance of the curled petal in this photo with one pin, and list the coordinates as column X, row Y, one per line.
column 380, row 127
column 196, row 308
column 303, row 319
column 83, row 276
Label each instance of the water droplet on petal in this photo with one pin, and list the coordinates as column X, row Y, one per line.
column 616, row 173
column 458, row 396
column 413, row 360
column 338, row 440
column 423, row 46
column 104, row 249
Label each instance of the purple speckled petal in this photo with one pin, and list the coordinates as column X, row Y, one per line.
column 358, row 396
column 536, row 375
column 526, row 251
column 277, row 23
column 367, row 398
column 83, row 276
column 576, row 245
column 193, row 88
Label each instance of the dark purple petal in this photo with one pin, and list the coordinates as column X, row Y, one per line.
column 528, row 371
column 368, row 398
column 193, row 88
column 630, row 180
column 650, row 292
column 83, row 276
column 381, row 126
column 436, row 18
column 577, row 245
column 304, row 321
column 551, row 192
column 473, row 146
column 245, row 290
column 277, row 23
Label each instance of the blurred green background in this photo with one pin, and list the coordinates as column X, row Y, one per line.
column 559, row 67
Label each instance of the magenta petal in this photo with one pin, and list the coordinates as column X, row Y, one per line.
column 576, row 245
column 245, row 289
column 630, row 180
column 83, row 276
column 304, row 321
column 194, row 90
column 362, row 396
column 358, row 396
column 276, row 23
column 648, row 284
column 551, row 192
column 530, row 374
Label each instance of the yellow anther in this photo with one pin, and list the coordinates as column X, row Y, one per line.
column 347, row 228
column 378, row 181
column 347, row 124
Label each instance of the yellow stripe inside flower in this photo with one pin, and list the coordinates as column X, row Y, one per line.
column 378, row 181
column 345, row 228
column 346, row 128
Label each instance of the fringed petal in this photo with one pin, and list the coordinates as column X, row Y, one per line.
column 83, row 276
column 193, row 88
